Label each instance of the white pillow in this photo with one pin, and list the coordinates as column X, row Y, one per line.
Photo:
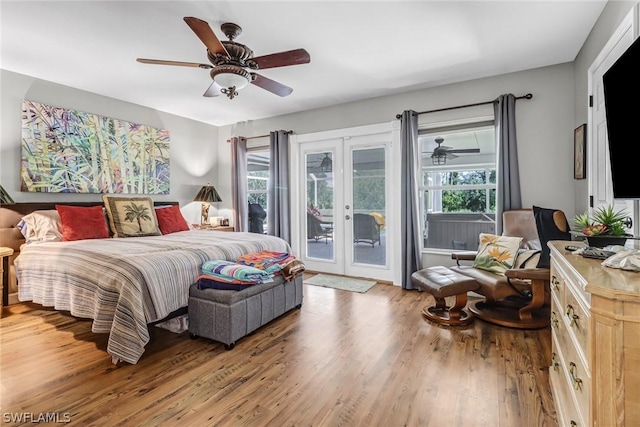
column 41, row 226
column 496, row 253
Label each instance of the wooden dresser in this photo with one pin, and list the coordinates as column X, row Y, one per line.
column 595, row 331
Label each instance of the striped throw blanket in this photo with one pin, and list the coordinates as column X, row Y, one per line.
column 229, row 271
column 269, row 261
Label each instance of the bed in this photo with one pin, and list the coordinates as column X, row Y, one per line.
column 122, row 284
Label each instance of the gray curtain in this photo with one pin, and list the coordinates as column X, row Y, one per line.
column 409, row 209
column 239, row 196
column 508, row 172
column 278, row 204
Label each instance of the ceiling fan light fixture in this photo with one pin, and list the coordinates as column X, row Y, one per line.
column 439, row 158
column 327, row 164
column 231, row 78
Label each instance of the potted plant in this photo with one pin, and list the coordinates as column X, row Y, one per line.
column 606, row 226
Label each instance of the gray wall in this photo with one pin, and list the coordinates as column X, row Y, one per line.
column 193, row 144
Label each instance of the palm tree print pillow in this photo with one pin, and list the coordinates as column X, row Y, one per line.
column 496, row 253
column 131, row 216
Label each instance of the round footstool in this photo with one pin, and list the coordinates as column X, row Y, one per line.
column 442, row 282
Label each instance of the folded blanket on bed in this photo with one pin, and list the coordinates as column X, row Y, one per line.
column 225, row 270
column 269, row 261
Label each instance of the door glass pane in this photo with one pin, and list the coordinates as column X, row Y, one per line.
column 369, row 206
column 257, row 176
column 319, row 217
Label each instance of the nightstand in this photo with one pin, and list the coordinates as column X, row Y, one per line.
column 214, row 227
column 5, row 253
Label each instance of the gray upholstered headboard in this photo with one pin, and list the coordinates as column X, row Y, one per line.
column 11, row 237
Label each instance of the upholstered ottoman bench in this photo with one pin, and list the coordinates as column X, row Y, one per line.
column 226, row 316
column 442, row 282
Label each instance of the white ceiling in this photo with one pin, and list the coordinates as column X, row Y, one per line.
column 359, row 49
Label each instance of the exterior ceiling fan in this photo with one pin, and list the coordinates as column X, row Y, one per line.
column 441, row 153
column 232, row 63
column 324, row 165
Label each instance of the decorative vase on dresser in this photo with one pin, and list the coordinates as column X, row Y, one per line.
column 595, row 332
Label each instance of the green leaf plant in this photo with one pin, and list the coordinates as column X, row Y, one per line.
column 604, row 220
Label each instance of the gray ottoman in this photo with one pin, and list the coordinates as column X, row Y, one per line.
column 227, row 316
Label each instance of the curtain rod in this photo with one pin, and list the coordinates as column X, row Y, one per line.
column 527, row 96
column 289, row 132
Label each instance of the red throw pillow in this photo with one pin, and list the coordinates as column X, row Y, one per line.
column 79, row 222
column 170, row 220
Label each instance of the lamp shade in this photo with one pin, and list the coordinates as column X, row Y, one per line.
column 5, row 198
column 207, row 194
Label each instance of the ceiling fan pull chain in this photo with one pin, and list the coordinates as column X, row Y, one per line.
column 230, row 92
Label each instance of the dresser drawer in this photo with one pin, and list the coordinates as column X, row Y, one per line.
column 556, row 314
column 578, row 320
column 568, row 414
column 557, row 285
column 572, row 364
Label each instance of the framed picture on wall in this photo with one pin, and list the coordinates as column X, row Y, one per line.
column 580, row 152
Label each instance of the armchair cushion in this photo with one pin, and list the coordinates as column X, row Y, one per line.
column 496, row 254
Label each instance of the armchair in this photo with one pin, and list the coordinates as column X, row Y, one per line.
column 521, row 297
column 366, row 229
column 315, row 229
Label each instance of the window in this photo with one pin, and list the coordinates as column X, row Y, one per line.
column 257, row 177
column 458, row 185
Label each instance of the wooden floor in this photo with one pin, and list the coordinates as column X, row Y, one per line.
column 343, row 359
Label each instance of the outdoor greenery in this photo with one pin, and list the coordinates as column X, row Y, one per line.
column 468, row 200
column 368, row 192
column 257, row 187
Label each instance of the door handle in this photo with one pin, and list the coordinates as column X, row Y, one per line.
column 347, row 217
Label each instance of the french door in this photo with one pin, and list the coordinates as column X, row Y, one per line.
column 347, row 224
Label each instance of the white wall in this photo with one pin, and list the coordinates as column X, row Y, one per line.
column 544, row 127
column 193, row 144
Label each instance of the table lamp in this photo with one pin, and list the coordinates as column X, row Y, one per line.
column 206, row 195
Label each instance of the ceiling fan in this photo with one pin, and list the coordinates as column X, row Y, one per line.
column 441, row 153
column 232, row 63
column 325, row 165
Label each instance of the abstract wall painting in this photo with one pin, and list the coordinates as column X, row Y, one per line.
column 69, row 151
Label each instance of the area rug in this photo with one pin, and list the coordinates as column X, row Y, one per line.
column 339, row 282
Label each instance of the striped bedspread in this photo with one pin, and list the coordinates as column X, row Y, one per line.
column 123, row 284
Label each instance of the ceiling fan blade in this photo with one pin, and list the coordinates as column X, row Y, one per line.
column 213, row 90
column 282, row 59
column 178, row 63
column 271, row 85
column 465, row 150
column 206, row 35
column 451, row 156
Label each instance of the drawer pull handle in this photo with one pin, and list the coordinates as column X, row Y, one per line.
column 572, row 316
column 577, row 382
column 553, row 361
column 554, row 319
column 554, row 283
column 574, row 424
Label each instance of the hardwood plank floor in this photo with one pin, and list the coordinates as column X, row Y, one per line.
column 343, row 359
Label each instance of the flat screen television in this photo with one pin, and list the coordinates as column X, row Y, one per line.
column 621, row 84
